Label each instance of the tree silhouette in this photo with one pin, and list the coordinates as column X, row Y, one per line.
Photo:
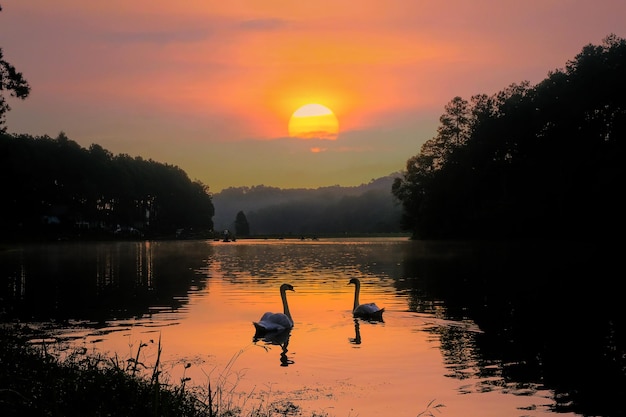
column 529, row 161
column 55, row 187
column 242, row 228
column 13, row 82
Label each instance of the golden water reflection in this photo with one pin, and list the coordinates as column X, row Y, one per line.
column 198, row 300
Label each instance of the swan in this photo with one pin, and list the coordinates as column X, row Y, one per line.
column 368, row 311
column 276, row 322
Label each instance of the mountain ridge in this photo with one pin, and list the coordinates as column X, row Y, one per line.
column 329, row 209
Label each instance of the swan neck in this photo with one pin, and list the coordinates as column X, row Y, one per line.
column 283, row 296
column 357, row 290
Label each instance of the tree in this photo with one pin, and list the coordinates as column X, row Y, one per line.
column 528, row 161
column 91, row 192
column 423, row 189
column 13, row 82
column 242, row 228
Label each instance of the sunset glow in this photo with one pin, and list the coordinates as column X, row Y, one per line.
column 220, row 81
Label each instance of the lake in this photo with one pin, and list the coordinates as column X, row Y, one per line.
column 483, row 329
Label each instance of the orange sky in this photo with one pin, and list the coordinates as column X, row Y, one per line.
column 210, row 86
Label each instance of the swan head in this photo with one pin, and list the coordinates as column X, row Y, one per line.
column 286, row 287
column 354, row 281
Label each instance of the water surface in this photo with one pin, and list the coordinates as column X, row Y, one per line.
column 450, row 333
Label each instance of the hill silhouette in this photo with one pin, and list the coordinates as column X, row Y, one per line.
column 367, row 208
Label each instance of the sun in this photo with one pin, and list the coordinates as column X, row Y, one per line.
column 314, row 121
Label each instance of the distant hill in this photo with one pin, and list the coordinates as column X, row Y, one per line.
column 367, row 208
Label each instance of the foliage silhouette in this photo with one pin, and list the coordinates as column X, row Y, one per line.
column 242, row 228
column 56, row 189
column 12, row 81
column 529, row 161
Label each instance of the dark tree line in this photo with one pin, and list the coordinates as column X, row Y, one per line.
column 54, row 187
column 543, row 161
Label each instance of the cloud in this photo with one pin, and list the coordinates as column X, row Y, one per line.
column 160, row 37
column 264, row 24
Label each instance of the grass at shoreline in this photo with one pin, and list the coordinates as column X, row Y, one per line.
column 35, row 381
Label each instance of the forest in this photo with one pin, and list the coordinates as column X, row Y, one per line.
column 543, row 161
column 55, row 189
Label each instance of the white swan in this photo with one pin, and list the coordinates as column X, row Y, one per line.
column 276, row 322
column 368, row 311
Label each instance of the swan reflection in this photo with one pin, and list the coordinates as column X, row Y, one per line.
column 279, row 338
column 356, row 340
column 357, row 333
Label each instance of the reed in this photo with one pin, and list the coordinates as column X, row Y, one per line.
column 47, row 379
